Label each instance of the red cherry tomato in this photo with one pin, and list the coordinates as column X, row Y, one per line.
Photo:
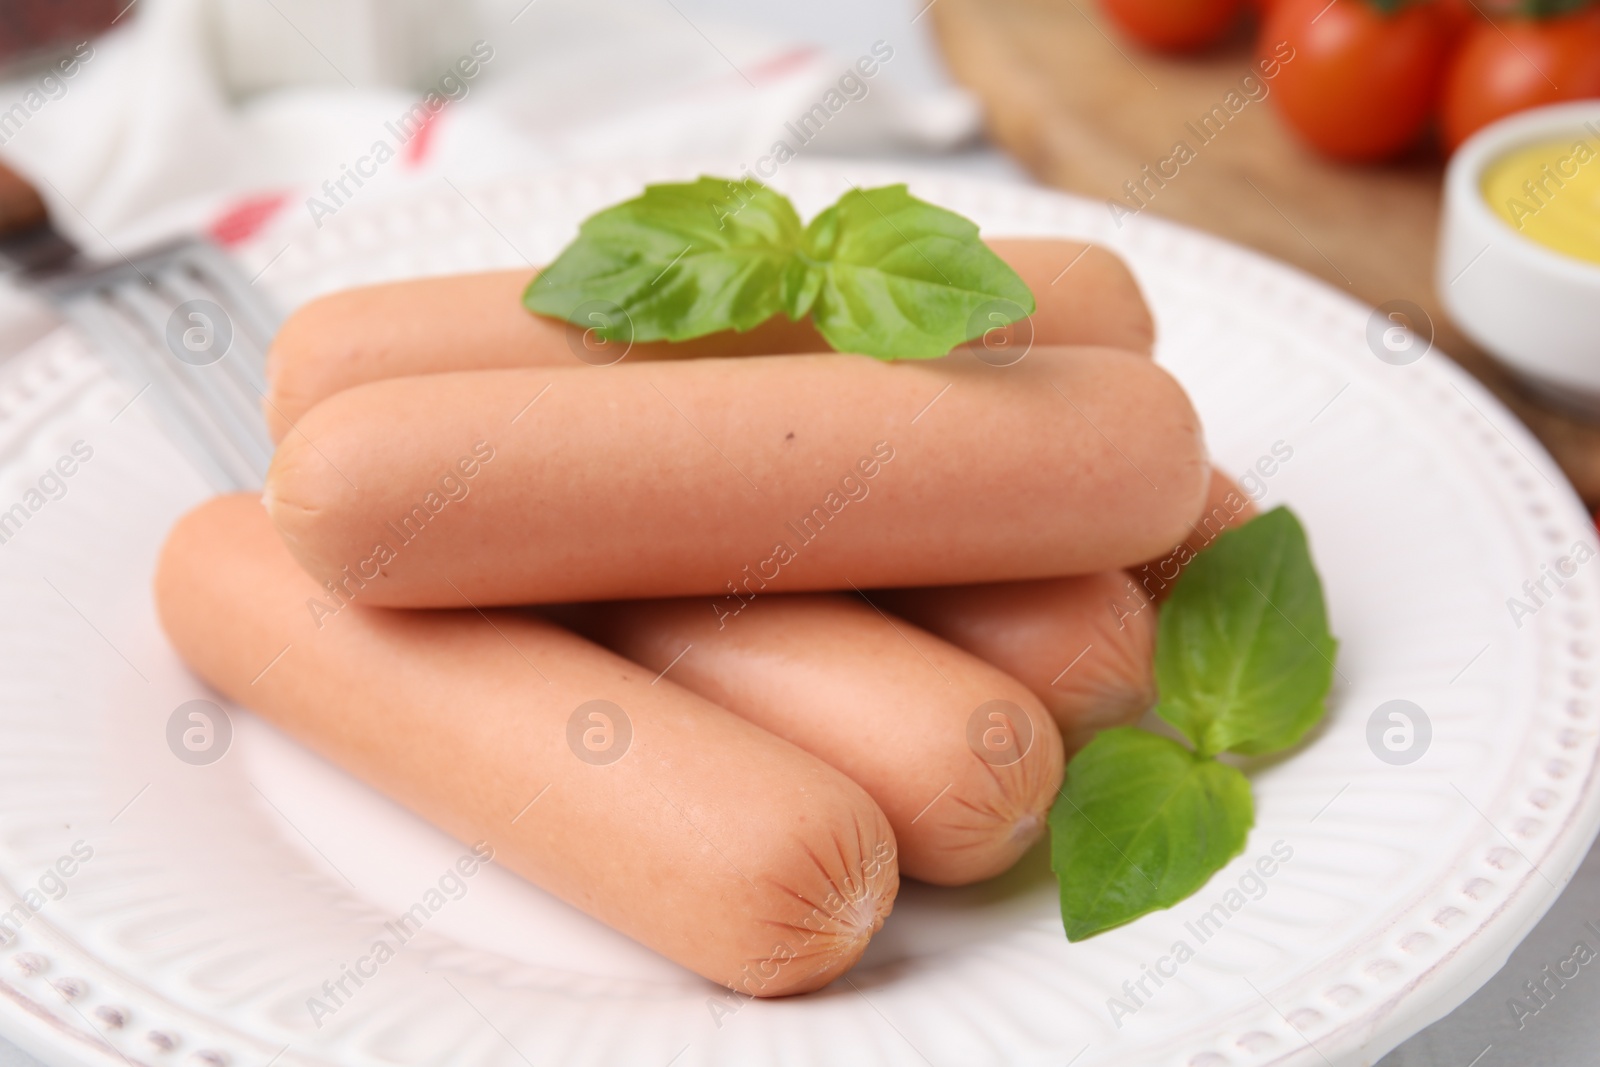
column 1462, row 15
column 1512, row 64
column 1359, row 84
column 1174, row 25
column 1459, row 15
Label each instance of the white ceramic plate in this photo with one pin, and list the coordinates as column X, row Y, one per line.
column 219, row 898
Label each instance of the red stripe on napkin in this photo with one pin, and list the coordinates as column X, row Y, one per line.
column 244, row 218
column 421, row 142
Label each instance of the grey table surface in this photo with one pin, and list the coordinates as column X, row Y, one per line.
column 1526, row 1015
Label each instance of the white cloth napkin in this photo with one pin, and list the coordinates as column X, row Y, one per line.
column 231, row 109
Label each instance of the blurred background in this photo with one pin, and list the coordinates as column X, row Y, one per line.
column 138, row 119
column 1316, row 131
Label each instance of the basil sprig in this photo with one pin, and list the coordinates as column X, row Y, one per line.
column 880, row 272
column 1244, row 663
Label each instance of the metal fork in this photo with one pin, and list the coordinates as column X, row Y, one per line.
column 177, row 322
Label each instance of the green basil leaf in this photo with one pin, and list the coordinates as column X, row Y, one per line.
column 798, row 291
column 881, row 272
column 682, row 260
column 1141, row 823
column 1244, row 657
column 903, row 279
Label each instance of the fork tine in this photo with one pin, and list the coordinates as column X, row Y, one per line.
column 236, row 376
column 212, row 410
column 244, row 365
column 226, row 414
column 218, row 461
column 234, row 292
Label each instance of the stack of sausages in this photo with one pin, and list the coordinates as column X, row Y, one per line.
column 717, row 640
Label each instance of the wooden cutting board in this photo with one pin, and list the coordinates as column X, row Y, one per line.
column 1085, row 110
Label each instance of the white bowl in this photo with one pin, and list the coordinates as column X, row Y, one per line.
column 1538, row 310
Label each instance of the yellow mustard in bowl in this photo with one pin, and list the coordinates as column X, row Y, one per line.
column 1549, row 192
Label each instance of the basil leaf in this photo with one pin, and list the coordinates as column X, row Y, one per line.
column 881, row 272
column 683, row 260
column 1244, row 657
column 903, row 279
column 1140, row 824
